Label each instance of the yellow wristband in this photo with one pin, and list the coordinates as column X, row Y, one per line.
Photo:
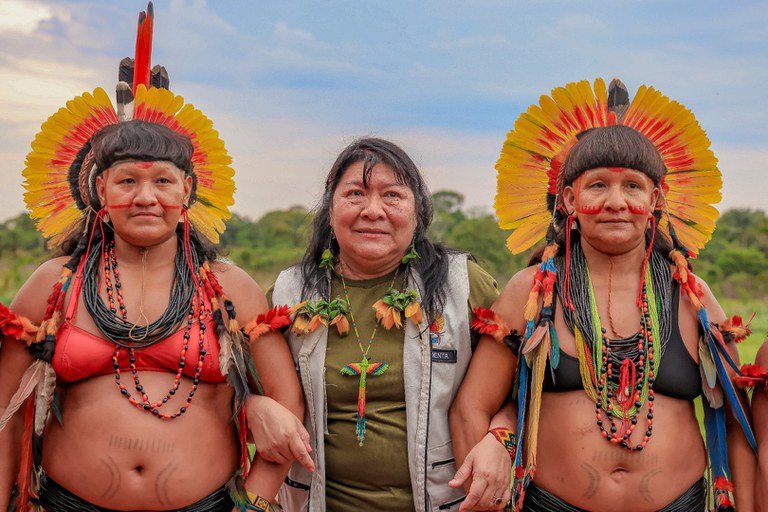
column 259, row 503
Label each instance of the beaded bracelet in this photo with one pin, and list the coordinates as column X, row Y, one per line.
column 506, row 437
column 258, row 503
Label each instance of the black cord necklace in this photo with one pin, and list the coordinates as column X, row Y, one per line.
column 122, row 332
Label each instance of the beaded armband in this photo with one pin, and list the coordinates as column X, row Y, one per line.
column 275, row 319
column 506, row 437
column 258, row 503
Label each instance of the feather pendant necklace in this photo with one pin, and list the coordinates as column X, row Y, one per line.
column 365, row 367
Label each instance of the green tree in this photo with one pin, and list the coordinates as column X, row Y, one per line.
column 447, row 206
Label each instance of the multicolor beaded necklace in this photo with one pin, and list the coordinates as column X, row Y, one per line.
column 618, row 375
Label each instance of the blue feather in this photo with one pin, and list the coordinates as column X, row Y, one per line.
column 555, row 348
column 730, row 393
column 714, row 423
column 521, row 396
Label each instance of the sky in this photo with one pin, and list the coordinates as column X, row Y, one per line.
column 289, row 84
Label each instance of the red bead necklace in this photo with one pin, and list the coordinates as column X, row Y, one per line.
column 110, row 267
column 629, row 390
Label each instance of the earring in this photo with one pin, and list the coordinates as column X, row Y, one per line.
column 326, row 259
column 410, row 255
column 105, row 215
column 184, row 208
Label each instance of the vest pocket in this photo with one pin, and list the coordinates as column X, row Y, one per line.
column 441, row 466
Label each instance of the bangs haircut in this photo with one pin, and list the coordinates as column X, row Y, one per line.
column 613, row 146
column 142, row 141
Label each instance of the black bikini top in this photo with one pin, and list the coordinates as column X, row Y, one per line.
column 678, row 375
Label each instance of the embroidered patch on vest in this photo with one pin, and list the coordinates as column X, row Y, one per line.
column 440, row 355
column 437, row 329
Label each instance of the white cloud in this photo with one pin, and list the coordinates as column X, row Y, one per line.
column 744, row 169
column 24, row 16
column 293, row 36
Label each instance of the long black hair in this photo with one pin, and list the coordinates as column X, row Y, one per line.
column 432, row 264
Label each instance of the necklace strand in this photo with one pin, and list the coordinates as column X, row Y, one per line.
column 111, row 268
column 126, row 334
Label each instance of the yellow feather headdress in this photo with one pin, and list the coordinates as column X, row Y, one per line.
column 54, row 166
column 531, row 158
column 58, row 167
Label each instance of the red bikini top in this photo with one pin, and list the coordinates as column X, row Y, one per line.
column 78, row 354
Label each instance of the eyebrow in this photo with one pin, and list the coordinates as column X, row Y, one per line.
column 359, row 183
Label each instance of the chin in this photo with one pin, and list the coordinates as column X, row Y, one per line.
column 147, row 238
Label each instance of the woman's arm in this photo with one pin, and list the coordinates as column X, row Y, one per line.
column 760, row 419
column 274, row 418
column 489, row 464
column 741, row 458
column 30, row 302
column 482, row 393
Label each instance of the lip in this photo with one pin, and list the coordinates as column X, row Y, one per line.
column 146, row 214
column 370, row 232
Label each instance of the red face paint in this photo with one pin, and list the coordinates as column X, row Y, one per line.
column 144, row 165
column 589, row 210
column 638, row 209
column 116, row 206
column 616, row 169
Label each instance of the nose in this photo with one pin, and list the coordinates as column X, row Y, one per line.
column 615, row 200
column 373, row 208
column 145, row 194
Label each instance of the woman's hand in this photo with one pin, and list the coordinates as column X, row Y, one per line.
column 277, row 433
column 489, row 468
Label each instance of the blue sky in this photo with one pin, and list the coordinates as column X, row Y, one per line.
column 289, row 84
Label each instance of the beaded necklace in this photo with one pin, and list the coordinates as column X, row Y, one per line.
column 110, row 269
column 618, row 375
column 364, row 367
column 127, row 334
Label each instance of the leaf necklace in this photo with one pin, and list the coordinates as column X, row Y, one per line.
column 364, row 367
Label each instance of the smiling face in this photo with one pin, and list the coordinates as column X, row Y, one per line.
column 613, row 205
column 144, row 200
column 374, row 226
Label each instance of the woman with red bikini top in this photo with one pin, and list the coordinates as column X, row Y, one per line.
column 133, row 367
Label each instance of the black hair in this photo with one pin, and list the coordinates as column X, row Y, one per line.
column 146, row 142
column 612, row 146
column 143, row 141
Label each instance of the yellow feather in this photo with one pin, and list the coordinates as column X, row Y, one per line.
column 534, row 407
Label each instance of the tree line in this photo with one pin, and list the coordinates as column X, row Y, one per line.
column 734, row 263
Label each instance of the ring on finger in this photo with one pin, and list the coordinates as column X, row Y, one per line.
column 496, row 500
